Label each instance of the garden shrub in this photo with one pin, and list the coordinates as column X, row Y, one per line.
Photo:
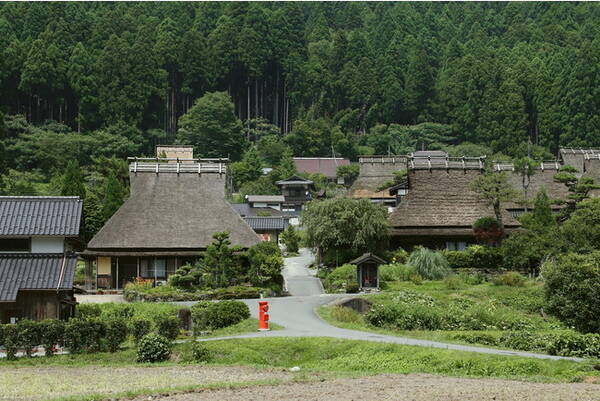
column 11, row 340
column 486, row 257
column 345, row 314
column 572, row 290
column 428, row 264
column 290, row 239
column 52, row 334
column 575, row 344
column 412, row 297
column 352, row 288
column 167, row 326
column 405, row 316
column 416, row 279
column 84, row 335
column 339, row 278
column 201, row 353
column 511, row 279
column 476, row 338
column 30, row 335
column 266, row 263
column 524, row 340
column 139, row 328
column 215, row 315
column 115, row 333
column 472, row 278
column 458, row 259
column 398, row 256
column 236, row 292
column 88, row 310
column 153, row 348
column 395, row 272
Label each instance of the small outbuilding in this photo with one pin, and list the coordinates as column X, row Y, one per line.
column 367, row 270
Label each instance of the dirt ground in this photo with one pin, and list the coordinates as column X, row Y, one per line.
column 401, row 388
column 42, row 383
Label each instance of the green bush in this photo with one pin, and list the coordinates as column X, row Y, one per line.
column 215, row 315
column 572, row 290
column 290, row 239
column 475, row 257
column 458, row 259
column 200, row 353
column 575, row 344
column 395, row 272
column 511, row 279
column 139, row 328
column 416, row 279
column 84, row 335
column 405, row 316
column 339, row 278
column 352, row 287
column 236, row 292
column 473, row 278
column 88, row 310
column 115, row 333
column 11, row 340
column 453, row 282
column 30, row 335
column 524, row 340
column 153, row 348
column 428, row 264
column 52, row 334
column 266, row 263
column 476, row 338
column 398, row 256
column 167, row 326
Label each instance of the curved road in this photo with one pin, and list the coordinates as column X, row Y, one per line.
column 296, row 314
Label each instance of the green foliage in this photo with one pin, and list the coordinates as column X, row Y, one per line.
column 114, row 196
column 215, row 315
column 581, row 232
column 138, row 328
column 84, row 335
column 11, row 340
column 453, row 282
column 511, row 279
column 116, row 333
column 247, row 170
column 85, row 311
column 29, row 336
column 340, row 224
column 52, row 332
column 494, row 188
column 266, row 263
column 167, row 326
column 477, row 257
column 153, row 348
column 572, row 287
column 428, row 264
column 72, row 181
column 186, row 277
column 200, row 353
column 339, row 278
column 345, row 314
column 290, row 239
column 219, row 260
column 212, row 127
column 348, row 172
column 396, row 272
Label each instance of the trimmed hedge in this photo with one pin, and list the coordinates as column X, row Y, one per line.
column 171, row 294
column 214, row 315
column 153, row 348
column 475, row 257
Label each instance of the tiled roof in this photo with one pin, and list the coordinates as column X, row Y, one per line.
column 266, row 198
column 320, row 165
column 245, row 209
column 35, row 272
column 267, row 223
column 40, row 215
column 294, row 180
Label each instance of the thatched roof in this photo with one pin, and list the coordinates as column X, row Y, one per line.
column 320, row 165
column 173, row 211
column 575, row 156
column 375, row 171
column 440, row 201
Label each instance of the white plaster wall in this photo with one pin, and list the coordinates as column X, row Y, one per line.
column 47, row 244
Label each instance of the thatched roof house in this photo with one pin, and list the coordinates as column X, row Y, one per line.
column 440, row 208
column 168, row 220
column 375, row 172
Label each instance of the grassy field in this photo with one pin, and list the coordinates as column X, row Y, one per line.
column 520, row 304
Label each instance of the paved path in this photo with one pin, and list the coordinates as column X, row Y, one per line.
column 297, row 315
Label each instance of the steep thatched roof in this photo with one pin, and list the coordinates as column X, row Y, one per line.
column 173, row 211
column 543, row 177
column 575, row 156
column 374, row 172
column 440, row 201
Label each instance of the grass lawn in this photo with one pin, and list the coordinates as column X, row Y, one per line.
column 245, row 326
column 234, row 363
column 521, row 304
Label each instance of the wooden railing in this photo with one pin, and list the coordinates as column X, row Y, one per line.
column 176, row 165
column 544, row 165
column 383, row 159
column 437, row 162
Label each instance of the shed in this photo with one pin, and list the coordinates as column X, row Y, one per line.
column 367, row 270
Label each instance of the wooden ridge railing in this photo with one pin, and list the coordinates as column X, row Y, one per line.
column 176, row 165
column 439, row 162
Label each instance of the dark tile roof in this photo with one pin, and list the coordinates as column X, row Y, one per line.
column 173, row 211
column 320, row 165
column 368, row 257
column 40, row 215
column 245, row 209
column 35, row 272
column 294, row 180
column 266, row 198
column 267, row 223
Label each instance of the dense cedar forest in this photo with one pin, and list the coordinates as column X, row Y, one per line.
column 96, row 82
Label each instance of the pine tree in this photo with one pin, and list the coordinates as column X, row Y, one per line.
column 72, row 181
column 114, row 196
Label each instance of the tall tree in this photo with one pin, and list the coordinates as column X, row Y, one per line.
column 494, row 188
column 72, row 181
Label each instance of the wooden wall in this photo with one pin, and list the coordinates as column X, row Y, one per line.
column 37, row 305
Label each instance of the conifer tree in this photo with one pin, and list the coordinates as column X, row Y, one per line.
column 72, row 181
column 114, row 195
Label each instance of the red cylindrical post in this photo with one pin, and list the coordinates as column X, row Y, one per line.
column 263, row 316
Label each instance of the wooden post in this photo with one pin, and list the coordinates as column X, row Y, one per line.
column 138, row 266
column 117, row 273
column 88, row 274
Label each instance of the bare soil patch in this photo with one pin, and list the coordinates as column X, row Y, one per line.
column 414, row 387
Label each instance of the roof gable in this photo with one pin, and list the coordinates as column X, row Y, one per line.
column 173, row 211
column 320, row 165
column 40, row 215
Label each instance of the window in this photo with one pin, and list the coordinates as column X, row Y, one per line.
column 150, row 268
column 456, row 245
column 15, row 244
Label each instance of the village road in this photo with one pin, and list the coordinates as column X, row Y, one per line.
column 297, row 315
